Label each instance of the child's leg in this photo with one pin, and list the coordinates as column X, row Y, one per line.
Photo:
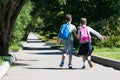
column 70, row 58
column 90, row 50
column 63, row 58
column 70, row 61
column 89, row 61
column 84, row 62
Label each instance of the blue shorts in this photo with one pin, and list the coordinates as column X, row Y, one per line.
column 85, row 49
column 68, row 46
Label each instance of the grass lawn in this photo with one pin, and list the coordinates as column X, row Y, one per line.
column 3, row 58
column 112, row 53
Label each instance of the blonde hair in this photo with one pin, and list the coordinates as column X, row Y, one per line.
column 83, row 21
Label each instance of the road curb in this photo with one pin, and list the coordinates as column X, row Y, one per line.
column 5, row 66
column 106, row 62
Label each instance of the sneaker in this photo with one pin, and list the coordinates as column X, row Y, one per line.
column 90, row 63
column 70, row 66
column 61, row 64
column 83, row 67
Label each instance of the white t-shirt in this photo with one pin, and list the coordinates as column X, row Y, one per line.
column 72, row 29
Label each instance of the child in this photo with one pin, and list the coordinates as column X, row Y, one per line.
column 85, row 41
column 68, row 43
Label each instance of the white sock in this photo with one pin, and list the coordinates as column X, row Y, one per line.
column 84, row 63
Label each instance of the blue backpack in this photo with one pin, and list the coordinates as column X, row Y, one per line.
column 64, row 31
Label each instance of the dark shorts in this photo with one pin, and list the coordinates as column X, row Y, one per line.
column 85, row 49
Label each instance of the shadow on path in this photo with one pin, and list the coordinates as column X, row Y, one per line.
column 33, row 48
column 50, row 68
column 20, row 64
column 26, row 60
column 47, row 53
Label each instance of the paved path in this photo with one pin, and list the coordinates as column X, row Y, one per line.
column 40, row 62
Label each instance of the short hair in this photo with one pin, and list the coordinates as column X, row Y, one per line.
column 68, row 17
column 83, row 21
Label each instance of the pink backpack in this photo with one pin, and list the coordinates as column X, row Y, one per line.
column 84, row 35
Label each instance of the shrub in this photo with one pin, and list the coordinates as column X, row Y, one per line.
column 110, row 28
column 22, row 22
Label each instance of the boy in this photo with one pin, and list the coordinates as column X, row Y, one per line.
column 68, row 43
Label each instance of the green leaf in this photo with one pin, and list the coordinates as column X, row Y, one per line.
column 4, row 1
column 62, row 2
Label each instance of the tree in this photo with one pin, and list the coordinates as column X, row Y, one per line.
column 51, row 13
column 21, row 25
column 48, row 17
column 9, row 11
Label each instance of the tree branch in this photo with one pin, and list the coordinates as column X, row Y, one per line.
column 9, row 14
column 15, row 14
column 17, row 11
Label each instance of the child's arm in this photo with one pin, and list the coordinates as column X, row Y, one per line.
column 96, row 33
column 75, row 32
column 76, row 35
column 58, row 40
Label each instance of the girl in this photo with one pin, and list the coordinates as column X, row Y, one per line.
column 85, row 41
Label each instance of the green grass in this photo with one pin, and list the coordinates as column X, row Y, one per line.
column 15, row 47
column 4, row 58
column 112, row 53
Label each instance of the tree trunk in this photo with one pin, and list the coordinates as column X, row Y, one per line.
column 9, row 12
column 27, row 31
column 4, row 45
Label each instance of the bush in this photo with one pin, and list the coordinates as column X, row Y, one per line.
column 111, row 41
column 22, row 22
column 110, row 28
column 15, row 47
column 4, row 58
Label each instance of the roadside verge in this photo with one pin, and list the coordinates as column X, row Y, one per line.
column 101, row 60
column 6, row 65
column 106, row 62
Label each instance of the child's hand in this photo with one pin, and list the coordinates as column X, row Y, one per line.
column 104, row 37
column 58, row 41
